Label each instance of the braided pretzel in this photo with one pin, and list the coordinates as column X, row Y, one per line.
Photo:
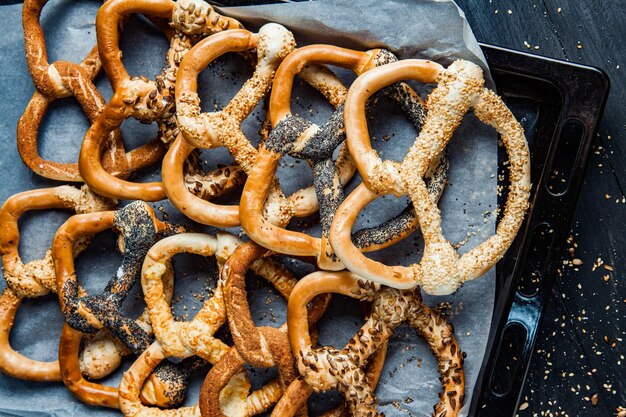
column 300, row 138
column 325, row 368
column 139, row 228
column 184, row 339
column 138, row 97
column 65, row 79
column 35, row 278
column 262, row 347
column 460, row 87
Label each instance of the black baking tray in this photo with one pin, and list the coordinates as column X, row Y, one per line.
column 560, row 105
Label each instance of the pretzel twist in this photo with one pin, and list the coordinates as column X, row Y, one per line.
column 59, row 80
column 183, row 339
column 325, row 368
column 263, row 346
column 138, row 97
column 138, row 227
column 36, row 278
column 460, row 87
column 302, row 139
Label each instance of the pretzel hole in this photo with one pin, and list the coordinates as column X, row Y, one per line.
column 391, row 131
column 408, row 359
column 220, row 81
column 63, row 127
column 195, row 277
column 468, row 206
column 140, row 42
column 65, row 31
column 99, row 262
column 36, row 328
column 37, row 229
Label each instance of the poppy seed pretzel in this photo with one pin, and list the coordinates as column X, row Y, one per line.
column 303, row 139
column 138, row 97
column 460, row 88
column 36, row 278
column 184, row 339
column 262, row 347
column 138, row 228
column 65, row 79
column 325, row 368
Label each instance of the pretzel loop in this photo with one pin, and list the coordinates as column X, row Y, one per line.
column 441, row 270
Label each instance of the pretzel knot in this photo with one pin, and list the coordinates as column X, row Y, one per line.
column 325, row 368
column 460, row 87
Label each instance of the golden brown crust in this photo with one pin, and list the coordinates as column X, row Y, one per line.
column 460, row 87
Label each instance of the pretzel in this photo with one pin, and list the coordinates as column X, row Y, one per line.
column 325, row 368
column 184, row 339
column 138, row 97
column 35, row 278
column 262, row 347
column 65, row 79
column 460, row 87
column 209, row 130
column 302, row 139
column 139, row 228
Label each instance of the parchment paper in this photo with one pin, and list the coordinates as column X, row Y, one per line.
column 429, row 29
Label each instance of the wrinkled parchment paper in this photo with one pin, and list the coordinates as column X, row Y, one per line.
column 429, row 29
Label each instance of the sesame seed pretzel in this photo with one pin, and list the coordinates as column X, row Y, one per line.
column 36, row 278
column 302, row 139
column 65, row 79
column 325, row 368
column 263, row 346
column 138, row 228
column 138, row 97
column 184, row 339
column 209, row 130
column 460, row 87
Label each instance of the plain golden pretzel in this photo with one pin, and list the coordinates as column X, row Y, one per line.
column 65, row 79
